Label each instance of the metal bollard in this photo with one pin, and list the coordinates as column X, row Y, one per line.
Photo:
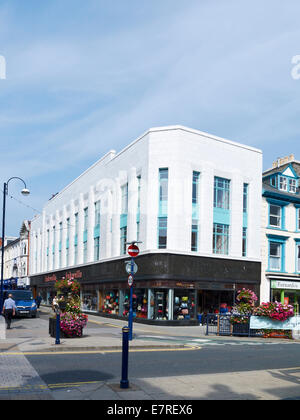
column 124, row 383
column 57, row 341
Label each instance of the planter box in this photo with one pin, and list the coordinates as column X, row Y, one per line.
column 52, row 330
column 241, row 329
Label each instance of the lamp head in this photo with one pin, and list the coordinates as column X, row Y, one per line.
column 25, row 191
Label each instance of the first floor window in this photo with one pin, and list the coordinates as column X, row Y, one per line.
column 97, row 249
column 275, row 256
column 244, row 250
column 123, row 240
column 162, row 232
column 84, row 252
column 298, row 258
column 275, row 216
column 75, row 254
column 194, row 244
column 220, row 239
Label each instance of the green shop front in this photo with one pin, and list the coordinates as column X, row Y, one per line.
column 286, row 291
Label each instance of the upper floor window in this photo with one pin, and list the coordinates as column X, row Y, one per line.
column 283, row 184
column 222, row 193
column 293, row 186
column 97, row 213
column 163, row 184
column 195, row 194
column 86, row 218
column 275, row 216
column 245, row 198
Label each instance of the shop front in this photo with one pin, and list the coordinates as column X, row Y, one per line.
column 287, row 292
column 168, row 289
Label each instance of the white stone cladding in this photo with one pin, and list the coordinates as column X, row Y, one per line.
column 182, row 151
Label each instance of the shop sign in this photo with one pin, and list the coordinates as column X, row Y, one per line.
column 264, row 323
column 69, row 275
column 185, row 285
column 49, row 279
column 288, row 285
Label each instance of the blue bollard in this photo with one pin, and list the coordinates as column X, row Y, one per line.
column 57, row 341
column 124, row 383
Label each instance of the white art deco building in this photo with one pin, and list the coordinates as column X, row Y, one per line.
column 191, row 198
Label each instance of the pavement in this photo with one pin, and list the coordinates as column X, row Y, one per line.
column 19, row 380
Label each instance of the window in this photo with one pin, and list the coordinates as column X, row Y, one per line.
column 293, row 186
column 97, row 213
column 283, row 186
column 194, row 239
column 273, row 181
column 84, row 252
column 86, row 218
column 244, row 245
column 67, row 241
column 97, row 249
column 195, row 194
column 123, row 240
column 245, row 198
column 298, row 258
column 162, row 232
column 59, row 249
column 275, row 216
column 221, row 193
column 220, row 239
column 53, row 247
column 163, row 185
column 163, row 208
column 275, row 256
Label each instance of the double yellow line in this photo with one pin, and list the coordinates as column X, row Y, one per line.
column 132, row 350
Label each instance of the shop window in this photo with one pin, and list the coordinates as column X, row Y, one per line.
column 89, row 300
column 184, row 304
column 161, row 304
column 139, row 303
column 111, row 302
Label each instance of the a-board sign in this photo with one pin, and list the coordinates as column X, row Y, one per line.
column 224, row 325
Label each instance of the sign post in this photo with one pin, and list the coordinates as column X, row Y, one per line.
column 133, row 251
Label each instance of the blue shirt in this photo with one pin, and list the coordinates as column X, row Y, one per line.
column 9, row 304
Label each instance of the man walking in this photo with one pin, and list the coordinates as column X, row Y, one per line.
column 9, row 310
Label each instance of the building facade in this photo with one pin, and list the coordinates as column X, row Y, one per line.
column 16, row 258
column 192, row 199
column 281, row 233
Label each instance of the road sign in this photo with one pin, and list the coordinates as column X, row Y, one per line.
column 128, row 268
column 133, row 250
column 130, row 281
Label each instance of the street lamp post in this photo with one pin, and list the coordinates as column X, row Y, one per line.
column 24, row 191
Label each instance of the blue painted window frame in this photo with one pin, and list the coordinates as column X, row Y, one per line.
column 281, row 241
column 281, row 205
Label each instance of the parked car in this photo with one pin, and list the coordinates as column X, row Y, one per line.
column 25, row 304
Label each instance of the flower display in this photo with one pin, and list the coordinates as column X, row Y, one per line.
column 245, row 306
column 72, row 319
column 275, row 311
column 72, row 325
column 68, row 285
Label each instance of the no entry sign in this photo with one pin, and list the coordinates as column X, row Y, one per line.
column 133, row 250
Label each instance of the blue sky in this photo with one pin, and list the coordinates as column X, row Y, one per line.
column 87, row 77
